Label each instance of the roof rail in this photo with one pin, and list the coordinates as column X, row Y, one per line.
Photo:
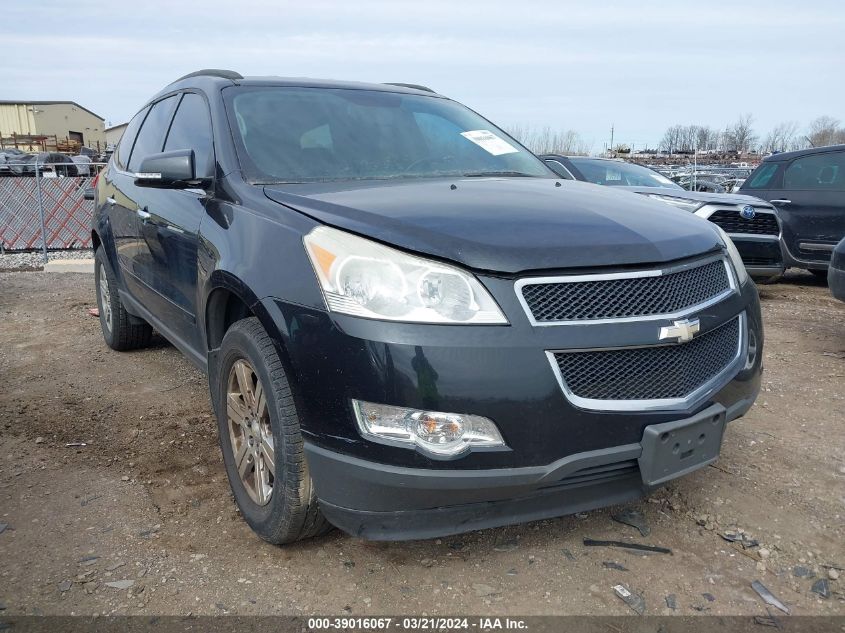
column 414, row 86
column 213, row 72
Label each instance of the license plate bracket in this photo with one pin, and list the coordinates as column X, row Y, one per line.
column 676, row 448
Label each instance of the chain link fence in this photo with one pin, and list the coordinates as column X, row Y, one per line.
column 43, row 209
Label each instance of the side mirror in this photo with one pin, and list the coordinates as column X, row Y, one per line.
column 88, row 193
column 168, row 170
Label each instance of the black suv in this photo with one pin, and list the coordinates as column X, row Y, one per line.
column 808, row 187
column 411, row 327
column 751, row 223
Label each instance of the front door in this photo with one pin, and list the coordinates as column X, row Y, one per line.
column 169, row 225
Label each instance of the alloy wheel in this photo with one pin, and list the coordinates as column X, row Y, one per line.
column 250, row 432
column 105, row 297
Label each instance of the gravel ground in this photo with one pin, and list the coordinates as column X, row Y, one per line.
column 113, row 497
column 35, row 260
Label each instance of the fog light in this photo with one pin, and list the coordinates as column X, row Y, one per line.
column 434, row 432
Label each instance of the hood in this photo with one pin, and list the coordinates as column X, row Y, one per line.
column 701, row 196
column 506, row 225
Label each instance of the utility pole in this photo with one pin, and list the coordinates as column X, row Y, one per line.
column 611, row 141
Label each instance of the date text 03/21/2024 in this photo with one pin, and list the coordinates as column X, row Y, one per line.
column 417, row 623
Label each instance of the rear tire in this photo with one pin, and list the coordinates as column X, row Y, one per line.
column 121, row 331
column 261, row 439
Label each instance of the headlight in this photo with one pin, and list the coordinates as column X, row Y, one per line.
column 436, row 433
column 681, row 203
column 367, row 279
column 736, row 258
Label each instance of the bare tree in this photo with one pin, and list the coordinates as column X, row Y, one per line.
column 782, row 138
column 689, row 133
column 672, row 139
column 548, row 141
column 706, row 138
column 688, row 138
column 825, row 130
column 740, row 137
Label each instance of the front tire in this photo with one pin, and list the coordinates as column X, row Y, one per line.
column 121, row 331
column 261, row 439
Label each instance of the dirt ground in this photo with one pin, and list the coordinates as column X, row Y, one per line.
column 146, row 500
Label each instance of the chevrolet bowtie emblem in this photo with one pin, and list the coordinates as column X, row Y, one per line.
column 683, row 330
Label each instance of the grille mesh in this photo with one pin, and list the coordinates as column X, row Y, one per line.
column 733, row 222
column 629, row 297
column 650, row 373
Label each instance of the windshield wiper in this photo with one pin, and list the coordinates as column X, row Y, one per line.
column 482, row 174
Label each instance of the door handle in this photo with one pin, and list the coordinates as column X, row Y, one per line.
column 111, row 201
column 144, row 215
column 781, row 201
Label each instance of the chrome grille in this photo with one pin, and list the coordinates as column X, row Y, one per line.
column 732, row 222
column 655, row 373
column 625, row 295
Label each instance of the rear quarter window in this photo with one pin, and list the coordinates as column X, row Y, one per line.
column 124, row 148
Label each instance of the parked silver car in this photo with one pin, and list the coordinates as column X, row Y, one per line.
column 752, row 224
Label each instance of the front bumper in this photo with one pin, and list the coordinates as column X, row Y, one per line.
column 381, row 502
column 559, row 458
column 761, row 254
column 759, row 248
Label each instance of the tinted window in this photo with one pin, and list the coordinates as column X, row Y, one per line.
column 151, row 137
column 618, row 173
column 825, row 172
column 762, row 177
column 307, row 134
column 124, row 148
column 191, row 129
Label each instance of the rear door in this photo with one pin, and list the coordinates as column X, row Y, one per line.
column 118, row 205
column 812, row 206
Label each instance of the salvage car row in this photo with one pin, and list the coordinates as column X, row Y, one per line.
column 15, row 162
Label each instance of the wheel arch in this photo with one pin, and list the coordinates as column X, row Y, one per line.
column 228, row 300
column 101, row 237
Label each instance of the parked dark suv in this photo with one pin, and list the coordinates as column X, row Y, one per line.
column 412, row 327
column 751, row 223
column 808, row 187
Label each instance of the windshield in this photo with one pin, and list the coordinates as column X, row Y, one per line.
column 290, row 134
column 611, row 172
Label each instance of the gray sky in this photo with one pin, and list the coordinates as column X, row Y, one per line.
column 583, row 65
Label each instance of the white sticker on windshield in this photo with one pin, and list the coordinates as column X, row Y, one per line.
column 489, row 142
column 613, row 174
